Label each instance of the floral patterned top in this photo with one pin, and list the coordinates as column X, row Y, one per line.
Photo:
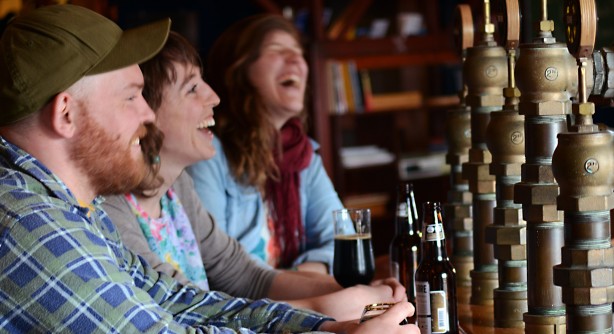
column 171, row 237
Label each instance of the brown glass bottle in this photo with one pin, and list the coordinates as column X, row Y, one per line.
column 436, row 308
column 405, row 245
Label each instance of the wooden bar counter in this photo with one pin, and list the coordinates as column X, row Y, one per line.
column 474, row 319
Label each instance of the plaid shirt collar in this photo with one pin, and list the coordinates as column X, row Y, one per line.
column 15, row 158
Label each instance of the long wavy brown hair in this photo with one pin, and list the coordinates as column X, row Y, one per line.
column 248, row 137
column 158, row 72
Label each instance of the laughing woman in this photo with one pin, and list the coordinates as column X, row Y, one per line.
column 266, row 186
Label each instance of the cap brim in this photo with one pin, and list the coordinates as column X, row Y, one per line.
column 136, row 46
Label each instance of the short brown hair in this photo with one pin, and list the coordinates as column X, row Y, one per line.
column 159, row 72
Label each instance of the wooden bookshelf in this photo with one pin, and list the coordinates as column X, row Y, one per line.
column 398, row 129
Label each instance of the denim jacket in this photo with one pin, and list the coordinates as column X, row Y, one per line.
column 241, row 211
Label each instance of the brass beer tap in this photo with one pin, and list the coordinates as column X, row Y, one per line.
column 485, row 72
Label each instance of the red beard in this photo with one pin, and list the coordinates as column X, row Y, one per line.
column 106, row 162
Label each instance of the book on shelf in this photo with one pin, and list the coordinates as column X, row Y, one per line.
column 336, row 88
column 332, row 89
column 367, row 92
column 344, row 88
column 350, row 90
column 355, row 86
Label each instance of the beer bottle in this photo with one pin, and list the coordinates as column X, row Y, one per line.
column 405, row 245
column 435, row 278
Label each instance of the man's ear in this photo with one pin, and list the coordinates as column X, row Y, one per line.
column 63, row 114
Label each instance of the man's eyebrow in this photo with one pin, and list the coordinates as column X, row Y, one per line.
column 138, row 85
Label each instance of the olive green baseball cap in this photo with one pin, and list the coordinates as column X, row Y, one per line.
column 45, row 51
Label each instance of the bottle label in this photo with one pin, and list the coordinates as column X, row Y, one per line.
column 434, row 232
column 439, row 312
column 423, row 307
column 431, row 309
column 402, row 210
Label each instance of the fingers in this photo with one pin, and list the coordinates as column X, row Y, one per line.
column 398, row 312
column 411, row 328
column 398, row 291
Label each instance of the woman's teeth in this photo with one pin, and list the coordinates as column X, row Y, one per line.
column 290, row 80
column 206, row 123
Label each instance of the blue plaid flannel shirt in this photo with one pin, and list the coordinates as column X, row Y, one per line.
column 63, row 268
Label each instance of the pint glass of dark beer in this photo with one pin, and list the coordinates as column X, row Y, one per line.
column 353, row 261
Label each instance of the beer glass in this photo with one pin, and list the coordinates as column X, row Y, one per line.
column 373, row 310
column 353, row 261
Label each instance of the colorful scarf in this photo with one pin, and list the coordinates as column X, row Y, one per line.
column 283, row 195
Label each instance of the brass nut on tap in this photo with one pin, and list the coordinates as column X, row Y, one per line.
column 545, row 108
column 592, row 277
column 541, row 213
column 511, row 252
column 478, row 155
column 505, row 169
column 546, row 25
column 507, row 216
column 465, row 224
column 461, row 197
column 588, row 296
column 588, row 257
column 586, row 203
column 477, row 172
column 540, row 194
column 506, row 235
column 537, row 173
column 586, row 109
column 511, row 92
column 485, row 100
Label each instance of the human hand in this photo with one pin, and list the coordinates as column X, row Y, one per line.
column 387, row 322
column 398, row 291
column 349, row 303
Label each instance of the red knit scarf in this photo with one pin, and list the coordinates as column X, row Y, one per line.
column 283, row 195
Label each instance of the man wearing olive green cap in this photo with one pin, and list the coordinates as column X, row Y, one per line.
column 71, row 119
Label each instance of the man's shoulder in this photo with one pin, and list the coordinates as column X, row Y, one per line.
column 19, row 187
column 24, row 198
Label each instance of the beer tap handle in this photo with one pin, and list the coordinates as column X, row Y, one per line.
column 464, row 34
column 580, row 18
column 507, row 18
column 463, row 29
column 506, row 14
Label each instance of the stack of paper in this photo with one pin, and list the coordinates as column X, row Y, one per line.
column 423, row 165
column 363, row 156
